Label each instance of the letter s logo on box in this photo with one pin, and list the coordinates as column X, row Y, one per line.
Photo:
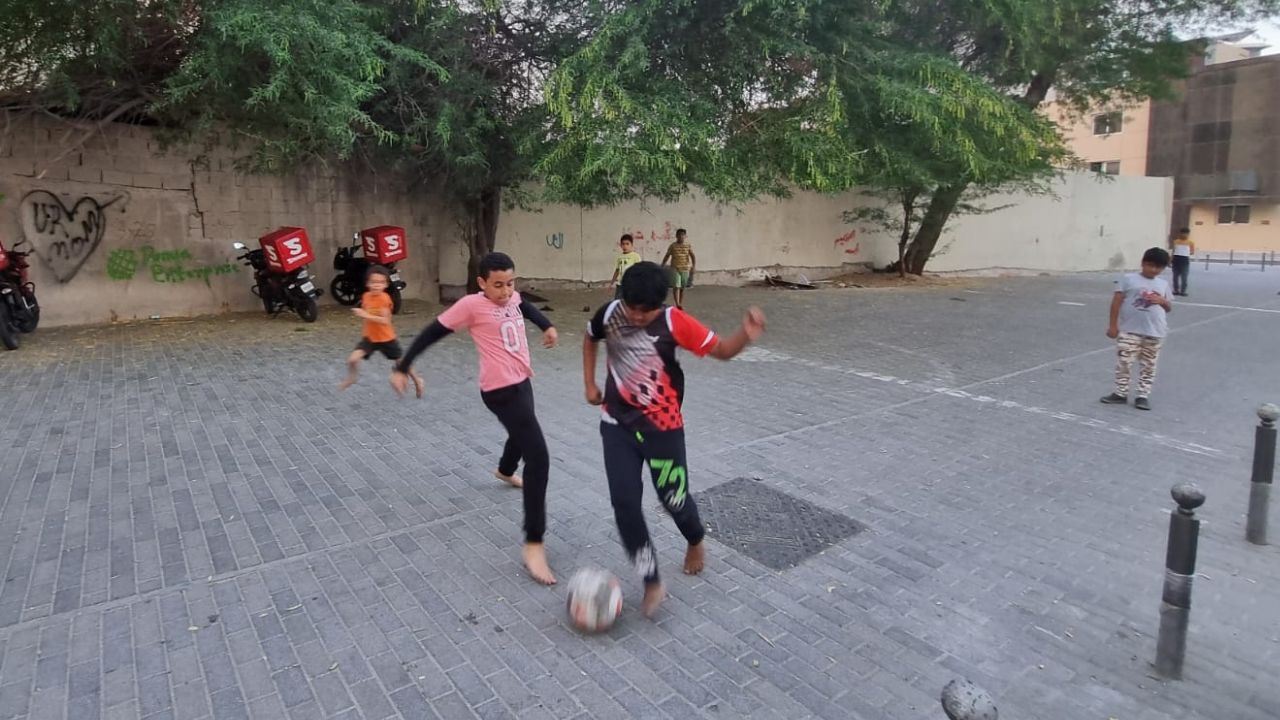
column 295, row 247
column 370, row 245
column 393, row 244
column 272, row 257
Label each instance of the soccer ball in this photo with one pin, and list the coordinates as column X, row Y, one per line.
column 595, row 600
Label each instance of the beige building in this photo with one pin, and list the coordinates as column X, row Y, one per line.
column 1219, row 139
column 1111, row 140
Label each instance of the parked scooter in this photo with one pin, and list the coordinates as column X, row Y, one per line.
column 294, row 290
column 349, row 284
column 19, row 309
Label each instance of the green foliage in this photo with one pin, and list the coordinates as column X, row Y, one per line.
column 740, row 98
column 604, row 100
column 90, row 57
column 295, row 76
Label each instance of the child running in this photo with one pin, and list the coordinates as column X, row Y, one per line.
column 495, row 317
column 378, row 335
column 641, row 423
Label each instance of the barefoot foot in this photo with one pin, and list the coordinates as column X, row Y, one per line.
column 694, row 558
column 346, row 384
column 419, row 387
column 512, row 480
column 535, row 561
column 654, row 594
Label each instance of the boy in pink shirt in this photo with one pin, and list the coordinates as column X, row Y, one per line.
column 495, row 318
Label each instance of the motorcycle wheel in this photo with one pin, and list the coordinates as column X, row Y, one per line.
column 27, row 320
column 345, row 290
column 8, row 334
column 396, row 300
column 306, row 307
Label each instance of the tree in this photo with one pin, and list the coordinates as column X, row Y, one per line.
column 1085, row 51
column 763, row 96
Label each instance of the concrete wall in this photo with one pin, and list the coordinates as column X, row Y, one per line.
column 1091, row 224
column 123, row 230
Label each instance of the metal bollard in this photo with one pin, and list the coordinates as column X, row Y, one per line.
column 962, row 700
column 1179, row 571
column 1264, row 467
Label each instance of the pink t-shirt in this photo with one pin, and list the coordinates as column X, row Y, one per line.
column 498, row 332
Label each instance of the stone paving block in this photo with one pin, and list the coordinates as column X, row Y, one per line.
column 350, row 556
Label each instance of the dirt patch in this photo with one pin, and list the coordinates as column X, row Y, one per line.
column 878, row 281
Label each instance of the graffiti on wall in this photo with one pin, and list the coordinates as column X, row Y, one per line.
column 653, row 242
column 163, row 266
column 842, row 243
column 64, row 237
column 556, row 240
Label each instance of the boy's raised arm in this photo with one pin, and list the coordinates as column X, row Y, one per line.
column 752, row 328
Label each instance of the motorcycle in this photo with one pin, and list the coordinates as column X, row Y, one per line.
column 294, row 290
column 348, row 285
column 19, row 309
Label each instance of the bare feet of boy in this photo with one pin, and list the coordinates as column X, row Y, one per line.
column 654, row 594
column 694, row 558
column 512, row 480
column 419, row 387
column 535, row 561
column 346, row 384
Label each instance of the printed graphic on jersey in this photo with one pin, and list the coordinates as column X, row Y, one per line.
column 646, row 385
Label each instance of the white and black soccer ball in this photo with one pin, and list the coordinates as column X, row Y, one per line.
column 595, row 600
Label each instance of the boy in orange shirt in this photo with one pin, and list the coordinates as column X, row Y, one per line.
column 378, row 335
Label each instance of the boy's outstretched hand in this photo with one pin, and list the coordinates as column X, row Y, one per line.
column 550, row 337
column 399, row 382
column 753, row 323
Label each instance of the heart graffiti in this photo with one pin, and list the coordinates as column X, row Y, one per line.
column 64, row 237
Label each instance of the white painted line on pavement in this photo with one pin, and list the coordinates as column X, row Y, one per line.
column 1076, row 304
column 1228, row 307
column 759, row 354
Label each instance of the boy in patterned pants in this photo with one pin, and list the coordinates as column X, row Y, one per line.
column 1139, row 324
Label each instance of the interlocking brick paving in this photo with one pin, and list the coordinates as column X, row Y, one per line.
column 194, row 524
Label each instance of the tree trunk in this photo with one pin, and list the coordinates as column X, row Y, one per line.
column 945, row 198
column 483, row 211
column 935, row 218
column 908, row 207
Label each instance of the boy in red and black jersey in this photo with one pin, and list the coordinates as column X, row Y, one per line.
column 641, row 423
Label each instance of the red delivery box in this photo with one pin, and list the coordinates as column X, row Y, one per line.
column 4, row 257
column 384, row 244
column 287, row 249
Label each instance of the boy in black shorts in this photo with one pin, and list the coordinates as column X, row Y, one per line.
column 641, row 423
column 379, row 335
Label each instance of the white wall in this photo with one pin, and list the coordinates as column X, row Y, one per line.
column 1091, row 224
column 124, row 230
column 1086, row 225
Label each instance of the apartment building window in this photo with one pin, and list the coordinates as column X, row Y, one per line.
column 1106, row 167
column 1233, row 214
column 1108, row 123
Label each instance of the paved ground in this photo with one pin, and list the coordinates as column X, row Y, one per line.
column 193, row 524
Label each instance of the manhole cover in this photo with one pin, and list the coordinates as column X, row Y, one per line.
column 771, row 527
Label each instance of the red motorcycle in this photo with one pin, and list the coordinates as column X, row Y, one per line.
column 19, row 309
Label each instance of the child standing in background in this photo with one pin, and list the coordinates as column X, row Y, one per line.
column 626, row 258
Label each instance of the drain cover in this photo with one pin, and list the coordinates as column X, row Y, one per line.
column 771, row 527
